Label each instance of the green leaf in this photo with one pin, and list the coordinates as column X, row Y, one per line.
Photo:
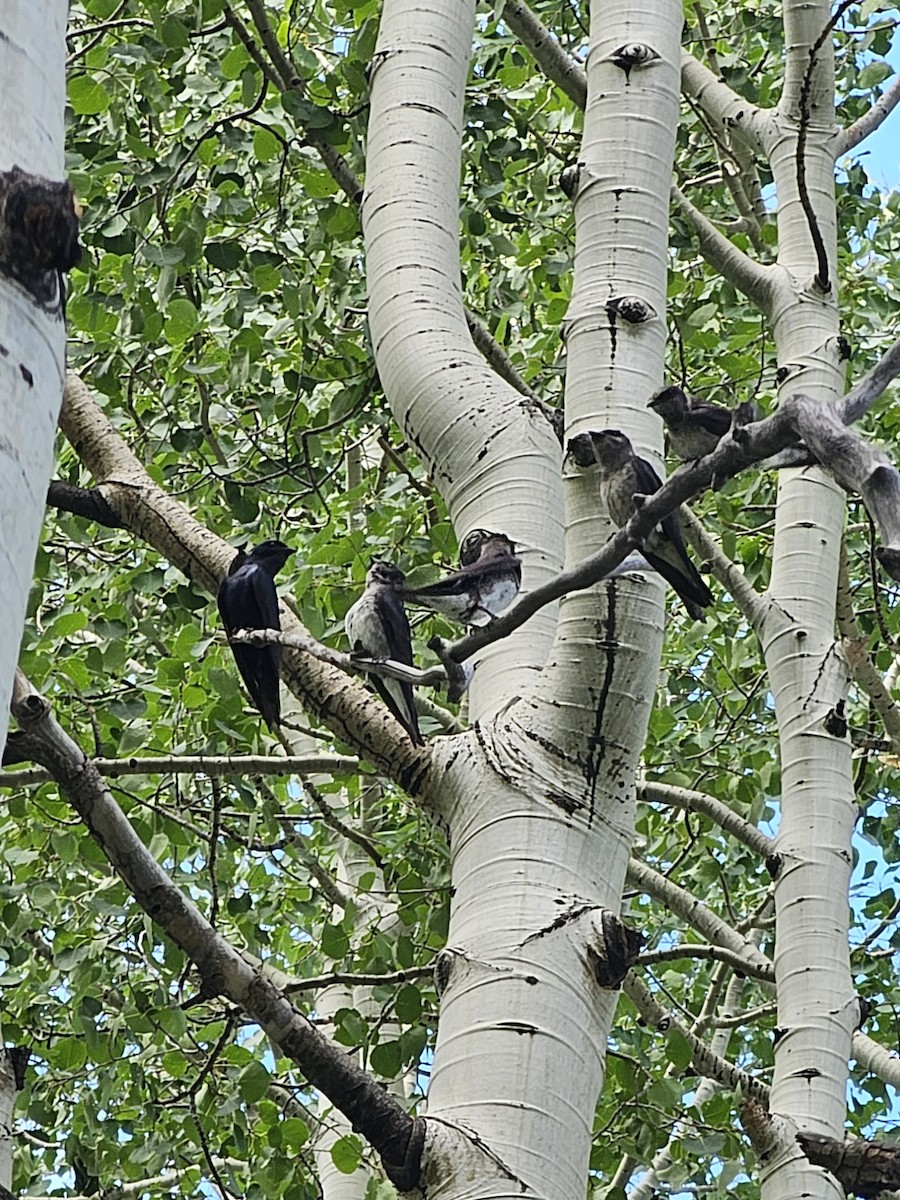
column 387, row 1059
column 181, row 321
column 254, row 1082
column 87, row 95
column 335, row 942
column 266, row 145
column 678, row 1050
column 874, row 73
column 346, row 1154
column 408, row 1003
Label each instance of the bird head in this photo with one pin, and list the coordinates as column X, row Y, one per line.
column 271, row 551
column 581, row 450
column 385, row 572
column 670, row 403
column 474, row 543
column 611, row 448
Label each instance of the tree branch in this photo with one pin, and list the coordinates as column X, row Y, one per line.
column 83, row 502
column 855, row 463
column 729, row 574
column 753, row 280
column 199, row 764
column 758, row 441
column 713, row 1066
column 698, row 916
column 715, row 953
column 863, row 395
column 699, row 802
column 723, row 106
column 374, row 1112
column 148, row 511
column 856, row 653
column 870, row 121
column 564, row 70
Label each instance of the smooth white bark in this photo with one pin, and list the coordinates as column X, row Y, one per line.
column 32, row 355
column 816, row 1002
column 540, row 801
column 8, row 1092
column 495, row 458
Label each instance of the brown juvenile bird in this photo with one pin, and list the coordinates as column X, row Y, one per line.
column 487, row 582
column 623, row 474
column 693, row 427
column 377, row 627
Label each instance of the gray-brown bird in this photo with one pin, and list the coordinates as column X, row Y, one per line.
column 623, row 474
column 694, row 428
column 486, row 583
column 377, row 627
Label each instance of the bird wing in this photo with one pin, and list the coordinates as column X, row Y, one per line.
column 248, row 600
column 666, row 552
column 711, row 417
column 459, row 582
column 265, row 597
column 376, row 626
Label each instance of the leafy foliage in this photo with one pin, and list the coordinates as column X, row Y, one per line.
column 220, row 314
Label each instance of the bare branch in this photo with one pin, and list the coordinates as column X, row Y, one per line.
column 729, row 574
column 863, row 395
column 723, row 106
column 698, row 916
column 212, row 766
column 713, row 953
column 502, row 363
column 856, row 465
column 566, row 72
column 856, row 653
column 721, row 814
column 758, row 441
column 386, row 668
column 83, row 502
column 875, row 1058
column 223, row 971
column 315, row 982
column 707, row 1063
column 753, row 280
column 870, row 121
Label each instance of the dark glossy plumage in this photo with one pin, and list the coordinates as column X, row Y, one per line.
column 623, row 474
column 247, row 600
column 486, row 583
column 377, row 627
column 694, row 428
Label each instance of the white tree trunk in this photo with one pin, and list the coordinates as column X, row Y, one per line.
column 539, row 801
column 497, row 461
column 8, row 1093
column 32, row 342
column 809, row 680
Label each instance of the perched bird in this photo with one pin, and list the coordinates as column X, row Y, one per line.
column 694, row 428
column 623, row 474
column 486, row 583
column 377, row 627
column 248, row 600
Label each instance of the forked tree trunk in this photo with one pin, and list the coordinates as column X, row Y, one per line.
column 539, row 798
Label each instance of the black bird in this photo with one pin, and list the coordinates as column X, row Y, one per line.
column 248, row 600
column 623, row 474
column 694, row 428
column 486, row 583
column 377, row 627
